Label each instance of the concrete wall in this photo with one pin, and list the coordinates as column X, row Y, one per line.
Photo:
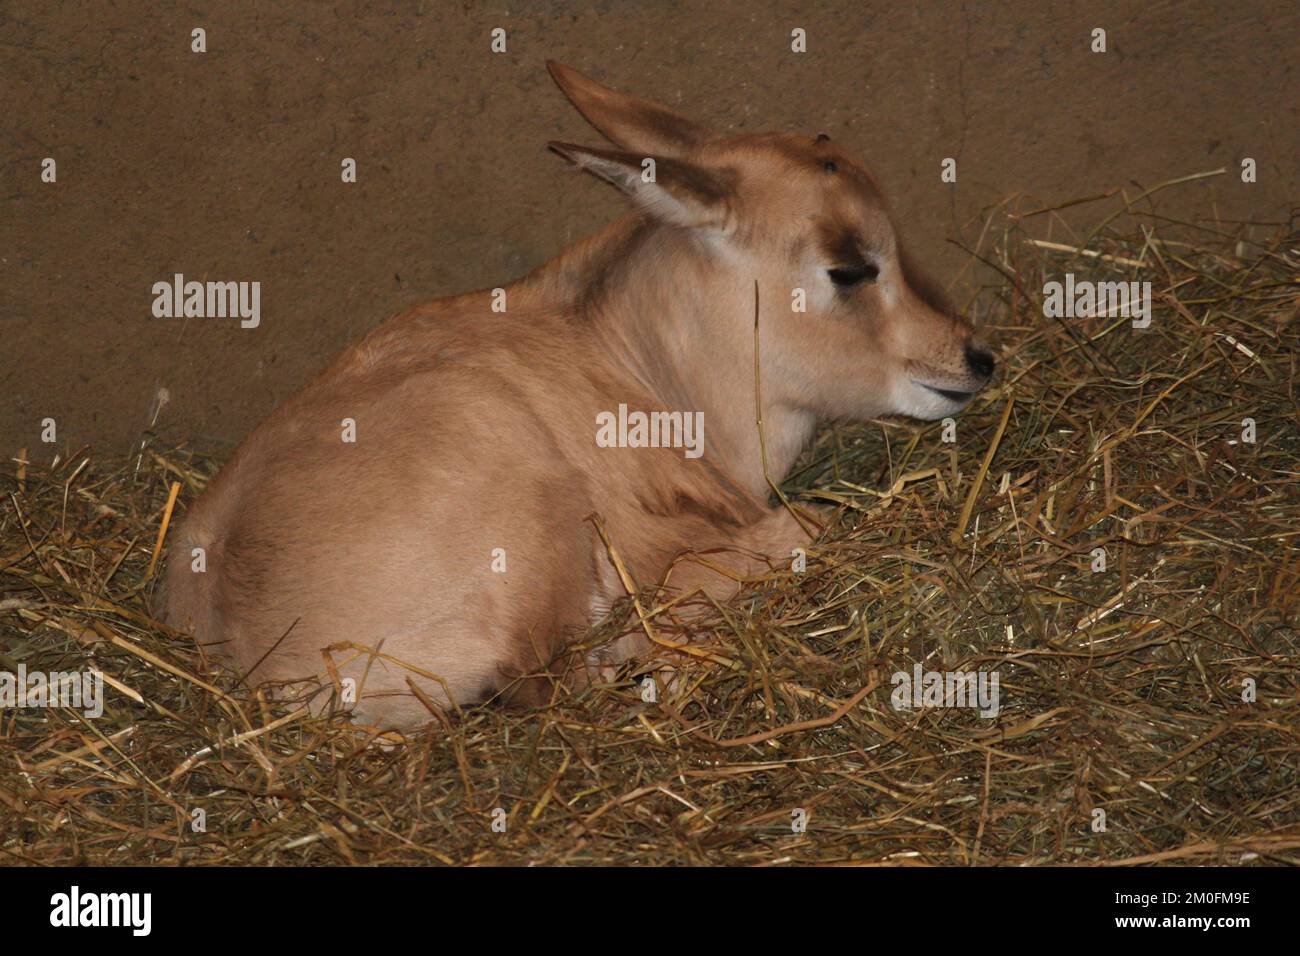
column 225, row 165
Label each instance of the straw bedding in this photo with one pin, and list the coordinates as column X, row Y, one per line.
column 1126, row 691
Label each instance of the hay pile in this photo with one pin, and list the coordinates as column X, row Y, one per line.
column 1121, row 691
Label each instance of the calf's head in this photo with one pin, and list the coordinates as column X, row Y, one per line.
column 849, row 330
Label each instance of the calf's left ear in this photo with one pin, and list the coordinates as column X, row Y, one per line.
column 670, row 190
column 628, row 122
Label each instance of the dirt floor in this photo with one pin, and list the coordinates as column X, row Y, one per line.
column 226, row 165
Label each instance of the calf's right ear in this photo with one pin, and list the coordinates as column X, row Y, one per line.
column 670, row 190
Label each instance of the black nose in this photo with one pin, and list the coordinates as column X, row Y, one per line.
column 980, row 361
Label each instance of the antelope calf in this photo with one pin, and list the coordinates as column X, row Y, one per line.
column 427, row 513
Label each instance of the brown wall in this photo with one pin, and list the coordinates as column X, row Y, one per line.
column 225, row 165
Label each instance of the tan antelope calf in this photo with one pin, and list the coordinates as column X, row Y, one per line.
column 450, row 545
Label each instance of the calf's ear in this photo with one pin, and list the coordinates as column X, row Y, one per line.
column 670, row 190
column 627, row 122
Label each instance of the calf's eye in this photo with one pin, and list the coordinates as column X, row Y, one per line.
column 846, row 277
